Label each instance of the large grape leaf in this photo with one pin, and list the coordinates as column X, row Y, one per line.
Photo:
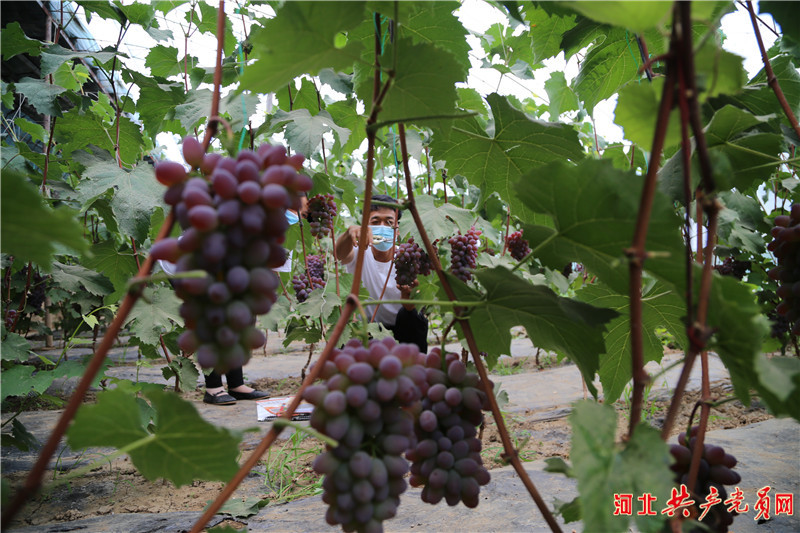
column 157, row 101
column 594, row 208
column 636, row 17
column 741, row 223
column 604, row 468
column 118, row 267
column 136, row 195
column 20, row 380
column 80, row 130
column 155, row 313
column 562, row 98
column 607, row 67
column 172, row 451
column 305, row 98
column 346, row 115
column 15, row 348
column 304, row 132
column 16, row 42
column 77, row 278
column 300, row 39
column 494, row 160
column 163, row 61
column 434, row 23
column 439, row 222
column 41, row 95
column 53, row 56
column 660, row 308
column 29, row 229
column 546, row 31
column 553, row 323
column 637, row 111
column 424, row 83
column 779, row 384
column 758, row 96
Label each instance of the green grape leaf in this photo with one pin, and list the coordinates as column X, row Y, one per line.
column 53, row 56
column 207, row 23
column 29, row 230
column 15, row 348
column 637, row 110
column 718, row 71
column 184, row 369
column 194, row 110
column 779, row 384
column 311, row 28
column 758, row 96
column 322, row 303
column 136, row 194
column 604, row 469
column 434, row 23
column 607, row 67
column 20, row 437
column 33, row 129
column 546, row 31
column 494, row 161
column 20, row 380
column 785, row 14
column 171, row 451
column 424, row 83
column 118, row 267
column 157, row 104
column 741, row 223
column 163, row 61
column 41, row 95
column 298, row 329
column 740, row 330
column 471, row 100
column 439, row 222
column 345, row 114
column 15, row 42
column 105, row 10
column 635, row 17
column 562, row 98
column 621, row 160
column 305, row 98
column 595, row 218
column 155, row 313
column 81, row 130
column 304, row 132
column 660, row 308
column 338, row 81
column 77, row 278
column 552, row 323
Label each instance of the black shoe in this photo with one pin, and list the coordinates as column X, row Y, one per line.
column 219, row 398
column 252, row 395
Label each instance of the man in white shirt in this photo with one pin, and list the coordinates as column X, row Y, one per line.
column 406, row 323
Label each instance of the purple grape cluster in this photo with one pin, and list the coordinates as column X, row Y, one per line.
column 409, row 262
column 716, row 470
column 232, row 212
column 447, row 461
column 316, row 266
column 10, row 319
column 464, row 253
column 363, row 404
column 303, row 285
column 786, row 248
column 517, row 246
column 320, row 214
column 733, row 267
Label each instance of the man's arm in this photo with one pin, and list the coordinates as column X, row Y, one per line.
column 347, row 242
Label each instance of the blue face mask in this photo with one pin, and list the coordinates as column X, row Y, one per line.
column 292, row 217
column 386, row 233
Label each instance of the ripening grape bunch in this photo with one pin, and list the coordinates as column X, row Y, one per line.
column 303, row 285
column 409, row 262
column 733, row 267
column 517, row 246
column 10, row 318
column 320, row 214
column 232, row 213
column 363, row 403
column 786, row 248
column 316, row 266
column 716, row 470
column 446, row 461
column 464, row 253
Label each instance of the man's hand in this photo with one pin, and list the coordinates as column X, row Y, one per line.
column 349, row 240
column 405, row 294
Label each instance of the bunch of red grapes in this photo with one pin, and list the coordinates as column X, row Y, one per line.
column 517, row 246
column 320, row 214
column 232, row 213
column 786, row 248
column 716, row 470
column 464, row 253
column 733, row 267
column 410, row 261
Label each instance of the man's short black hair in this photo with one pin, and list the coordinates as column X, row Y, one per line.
column 385, row 198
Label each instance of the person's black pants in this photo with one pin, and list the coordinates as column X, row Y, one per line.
column 411, row 327
column 235, row 378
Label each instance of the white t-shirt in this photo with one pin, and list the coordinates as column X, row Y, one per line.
column 373, row 277
column 287, row 265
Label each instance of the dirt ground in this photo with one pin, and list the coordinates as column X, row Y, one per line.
column 117, row 487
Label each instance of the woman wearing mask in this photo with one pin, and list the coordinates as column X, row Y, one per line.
column 404, row 321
